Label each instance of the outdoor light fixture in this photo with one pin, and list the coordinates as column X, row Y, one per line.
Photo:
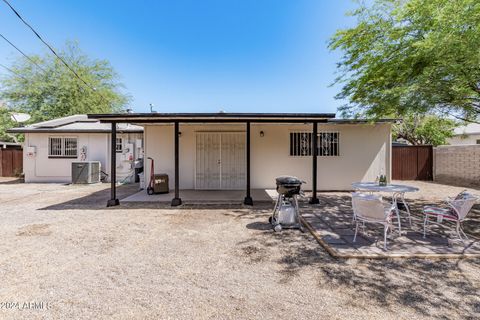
column 262, row 133
column 179, row 134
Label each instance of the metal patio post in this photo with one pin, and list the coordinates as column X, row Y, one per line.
column 314, row 199
column 248, row 199
column 113, row 166
column 176, row 201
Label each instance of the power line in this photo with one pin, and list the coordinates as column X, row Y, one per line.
column 13, row 71
column 51, row 49
column 23, row 53
column 44, row 42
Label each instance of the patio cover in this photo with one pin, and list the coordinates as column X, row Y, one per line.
column 221, row 117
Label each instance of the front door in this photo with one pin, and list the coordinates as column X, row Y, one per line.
column 220, row 160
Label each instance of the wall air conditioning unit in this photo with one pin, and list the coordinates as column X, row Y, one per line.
column 84, row 172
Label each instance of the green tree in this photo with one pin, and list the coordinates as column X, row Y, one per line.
column 411, row 56
column 424, row 129
column 5, row 123
column 51, row 90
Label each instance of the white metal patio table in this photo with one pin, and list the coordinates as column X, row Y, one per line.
column 397, row 191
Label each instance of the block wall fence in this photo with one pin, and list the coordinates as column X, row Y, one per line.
column 457, row 165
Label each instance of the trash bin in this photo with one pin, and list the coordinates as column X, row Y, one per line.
column 138, row 167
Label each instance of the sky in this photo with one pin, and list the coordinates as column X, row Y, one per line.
column 197, row 56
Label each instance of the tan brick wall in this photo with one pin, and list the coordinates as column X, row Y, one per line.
column 459, row 165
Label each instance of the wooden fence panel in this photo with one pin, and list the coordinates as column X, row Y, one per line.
column 412, row 163
column 425, row 163
column 7, row 163
column 11, row 162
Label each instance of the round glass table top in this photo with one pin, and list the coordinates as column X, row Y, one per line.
column 373, row 186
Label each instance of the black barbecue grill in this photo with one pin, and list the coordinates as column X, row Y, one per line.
column 288, row 186
column 285, row 214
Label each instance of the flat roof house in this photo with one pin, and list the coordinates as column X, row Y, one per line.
column 244, row 151
column 51, row 146
column 467, row 134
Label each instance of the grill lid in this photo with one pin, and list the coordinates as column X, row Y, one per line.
column 288, row 180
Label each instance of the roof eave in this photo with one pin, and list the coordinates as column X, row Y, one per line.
column 26, row 130
column 211, row 117
column 364, row 121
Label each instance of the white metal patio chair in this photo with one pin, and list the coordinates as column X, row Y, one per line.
column 368, row 208
column 364, row 195
column 456, row 211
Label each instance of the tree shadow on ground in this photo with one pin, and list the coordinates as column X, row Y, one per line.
column 95, row 200
column 235, row 209
column 463, row 184
column 434, row 288
column 98, row 200
column 471, row 225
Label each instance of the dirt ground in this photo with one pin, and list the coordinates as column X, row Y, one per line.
column 65, row 256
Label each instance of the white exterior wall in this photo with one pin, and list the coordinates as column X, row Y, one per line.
column 41, row 168
column 464, row 139
column 365, row 152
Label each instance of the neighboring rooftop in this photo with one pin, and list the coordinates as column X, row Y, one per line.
column 471, row 128
column 5, row 145
column 75, row 123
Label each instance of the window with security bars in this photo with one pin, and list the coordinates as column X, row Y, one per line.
column 118, row 145
column 327, row 144
column 62, row 147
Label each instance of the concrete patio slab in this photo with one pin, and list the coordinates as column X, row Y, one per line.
column 204, row 196
column 332, row 226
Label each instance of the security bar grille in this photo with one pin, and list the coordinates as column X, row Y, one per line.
column 70, row 149
column 119, row 145
column 300, row 144
column 55, row 147
column 327, row 144
column 62, row 147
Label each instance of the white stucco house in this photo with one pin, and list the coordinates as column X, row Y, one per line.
column 51, row 146
column 244, row 151
column 468, row 134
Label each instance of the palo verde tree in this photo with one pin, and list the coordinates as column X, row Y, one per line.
column 420, row 129
column 47, row 89
column 419, row 56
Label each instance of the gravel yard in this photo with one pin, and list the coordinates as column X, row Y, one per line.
column 61, row 246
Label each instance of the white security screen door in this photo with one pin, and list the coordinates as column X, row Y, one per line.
column 233, row 166
column 208, row 161
column 220, row 160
